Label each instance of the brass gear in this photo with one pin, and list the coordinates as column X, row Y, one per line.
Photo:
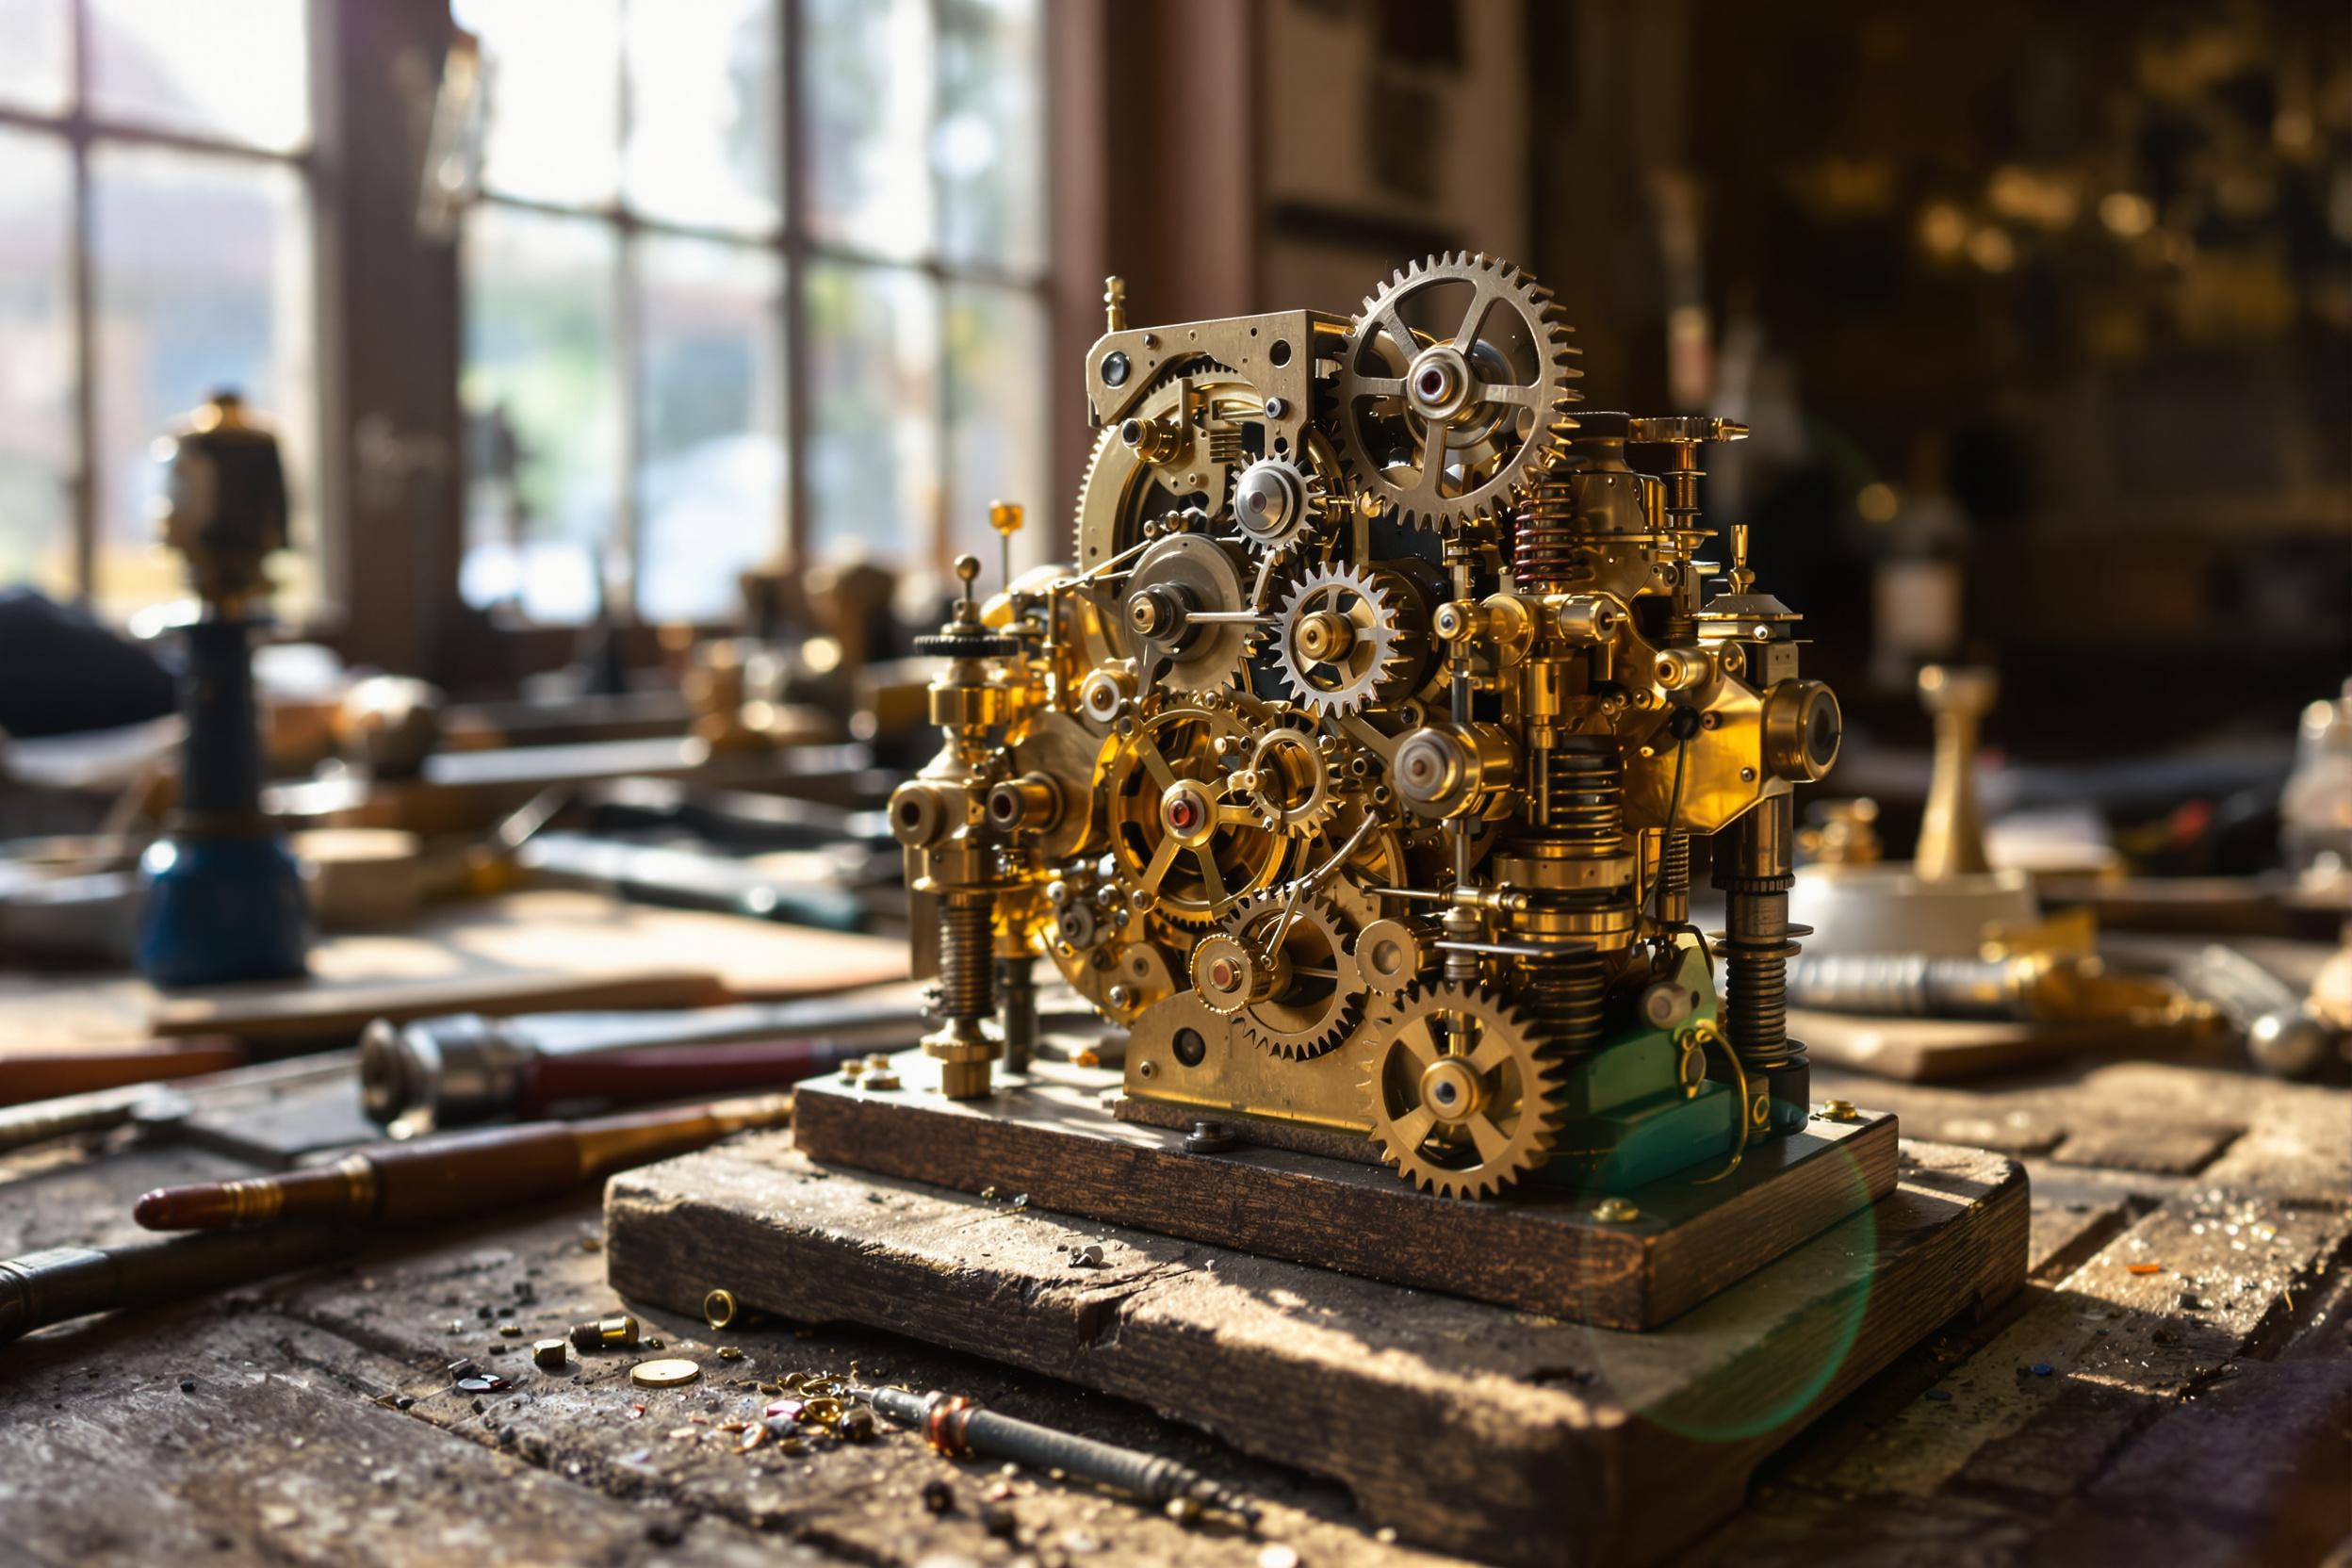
column 1313, row 994
column 1291, row 780
column 1476, row 414
column 1344, row 639
column 1463, row 1098
column 1184, row 844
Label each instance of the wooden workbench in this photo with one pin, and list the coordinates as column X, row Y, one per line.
column 2176, row 1385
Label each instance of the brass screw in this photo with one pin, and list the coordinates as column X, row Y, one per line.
column 1615, row 1211
column 1840, row 1110
column 548, row 1353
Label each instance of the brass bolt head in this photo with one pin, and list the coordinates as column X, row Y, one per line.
column 548, row 1353
column 1615, row 1211
column 1839, row 1110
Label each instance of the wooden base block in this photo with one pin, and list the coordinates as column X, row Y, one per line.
column 1048, row 1135
column 1468, row 1428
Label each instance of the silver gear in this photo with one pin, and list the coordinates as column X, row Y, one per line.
column 1340, row 639
column 1318, row 995
column 1480, row 427
column 1277, row 503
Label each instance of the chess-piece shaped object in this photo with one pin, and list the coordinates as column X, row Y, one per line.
column 225, row 898
column 1940, row 903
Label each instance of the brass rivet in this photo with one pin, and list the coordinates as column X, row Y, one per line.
column 1615, row 1211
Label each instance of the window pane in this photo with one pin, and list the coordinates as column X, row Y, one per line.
column 868, row 80
column 997, row 365
column 543, row 420
column 239, row 70
column 551, row 89
column 711, row 480
column 989, row 150
column 201, row 271
column 874, row 413
column 703, row 100
column 37, row 442
column 35, row 68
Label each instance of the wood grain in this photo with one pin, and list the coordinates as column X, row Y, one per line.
column 1467, row 1427
column 1542, row 1251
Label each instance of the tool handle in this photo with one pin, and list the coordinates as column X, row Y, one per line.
column 65, row 1283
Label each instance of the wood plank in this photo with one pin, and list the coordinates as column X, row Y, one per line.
column 1542, row 1250
column 268, row 1453
column 1468, row 1427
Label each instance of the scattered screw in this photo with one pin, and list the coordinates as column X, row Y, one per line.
column 1840, row 1110
column 550, row 1353
column 729, row 1352
column 1615, row 1211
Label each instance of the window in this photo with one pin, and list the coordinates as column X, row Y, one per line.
column 747, row 280
column 156, row 244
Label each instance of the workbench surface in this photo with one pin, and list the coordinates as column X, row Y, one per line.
column 2174, row 1384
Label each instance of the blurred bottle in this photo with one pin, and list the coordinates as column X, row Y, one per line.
column 2315, row 809
column 1921, row 577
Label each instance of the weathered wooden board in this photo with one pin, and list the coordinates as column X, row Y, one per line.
column 1048, row 1136
column 1467, row 1427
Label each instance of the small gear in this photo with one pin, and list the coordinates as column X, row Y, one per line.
column 1292, row 778
column 1463, row 1101
column 1277, row 503
column 1342, row 639
column 1443, row 428
column 1304, row 995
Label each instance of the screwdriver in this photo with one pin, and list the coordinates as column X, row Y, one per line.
column 955, row 1427
column 442, row 1178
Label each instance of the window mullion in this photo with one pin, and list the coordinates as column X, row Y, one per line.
column 84, row 497
column 620, row 600
column 943, row 498
column 795, row 325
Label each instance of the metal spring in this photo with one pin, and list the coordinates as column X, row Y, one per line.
column 1671, row 902
column 1584, row 796
column 1565, row 991
column 966, row 969
column 1755, row 1005
column 1543, row 549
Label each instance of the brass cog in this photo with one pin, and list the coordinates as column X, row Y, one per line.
column 1445, row 429
column 1313, row 994
column 1293, row 780
column 1343, row 640
column 1186, row 844
column 1463, row 1100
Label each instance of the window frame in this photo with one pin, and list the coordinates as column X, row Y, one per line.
column 83, row 132
column 797, row 249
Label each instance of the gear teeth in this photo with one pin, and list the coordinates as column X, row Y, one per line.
column 1506, row 485
column 1346, row 1009
column 1538, row 1117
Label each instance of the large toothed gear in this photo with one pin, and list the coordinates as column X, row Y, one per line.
column 1453, row 419
column 1180, row 576
column 1304, row 949
column 1463, row 1098
column 1345, row 639
column 1184, row 846
column 1291, row 780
